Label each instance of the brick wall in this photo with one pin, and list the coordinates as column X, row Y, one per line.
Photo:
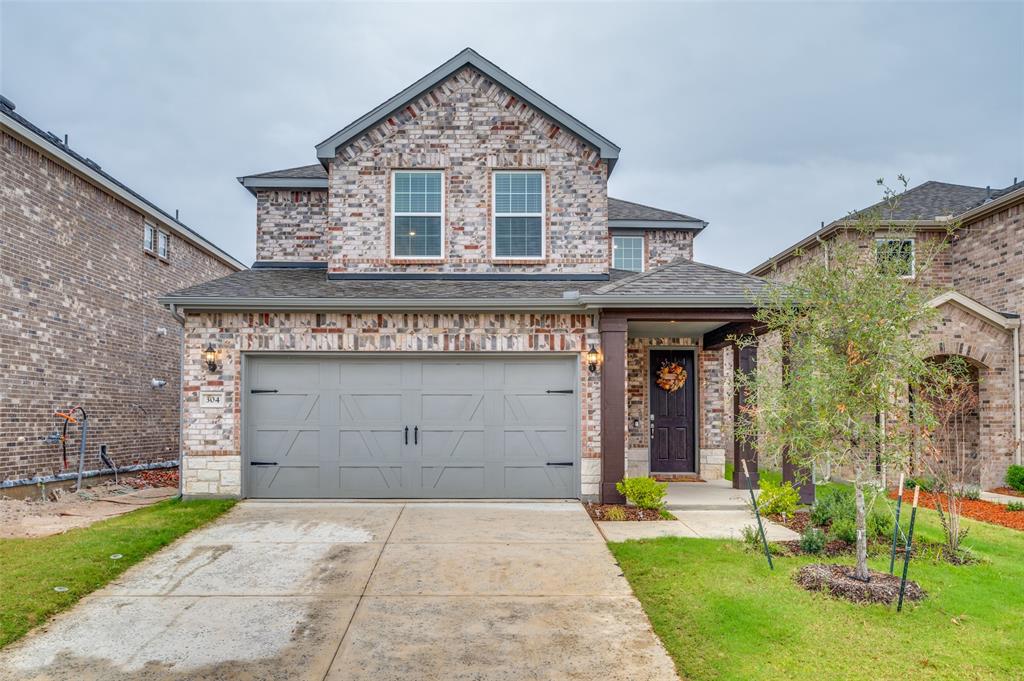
column 468, row 126
column 211, row 437
column 290, row 225
column 665, row 245
column 79, row 321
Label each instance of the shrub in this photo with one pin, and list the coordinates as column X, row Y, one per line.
column 643, row 492
column 777, row 499
column 1015, row 477
column 812, row 540
column 1015, row 506
column 615, row 513
column 880, row 524
column 844, row 529
column 834, row 503
column 970, row 492
column 751, row 536
column 927, row 483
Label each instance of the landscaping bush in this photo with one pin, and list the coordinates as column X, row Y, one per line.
column 834, row 503
column 615, row 513
column 643, row 492
column 813, row 540
column 1015, row 477
column 970, row 492
column 1015, row 506
column 777, row 498
column 880, row 523
column 927, row 483
column 844, row 529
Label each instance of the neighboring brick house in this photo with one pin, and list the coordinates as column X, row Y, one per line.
column 82, row 260
column 448, row 304
column 978, row 280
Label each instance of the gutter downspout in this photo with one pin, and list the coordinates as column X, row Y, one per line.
column 1016, row 395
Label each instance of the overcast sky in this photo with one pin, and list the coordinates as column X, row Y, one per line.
column 761, row 118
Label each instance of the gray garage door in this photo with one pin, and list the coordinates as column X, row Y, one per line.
column 319, row 427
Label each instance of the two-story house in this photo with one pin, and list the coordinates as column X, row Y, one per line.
column 448, row 304
column 978, row 280
column 83, row 258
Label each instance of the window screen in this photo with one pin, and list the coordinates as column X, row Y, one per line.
column 519, row 214
column 417, row 214
column 628, row 253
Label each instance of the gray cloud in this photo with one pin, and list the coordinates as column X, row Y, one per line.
column 763, row 118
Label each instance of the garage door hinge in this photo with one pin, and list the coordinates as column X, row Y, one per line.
column 559, row 463
column 262, row 463
column 569, row 391
column 257, row 392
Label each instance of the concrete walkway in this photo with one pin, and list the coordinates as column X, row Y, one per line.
column 361, row 591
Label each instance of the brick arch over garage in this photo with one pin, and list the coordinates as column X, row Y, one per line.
column 988, row 347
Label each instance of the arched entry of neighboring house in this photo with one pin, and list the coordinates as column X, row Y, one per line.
column 955, row 446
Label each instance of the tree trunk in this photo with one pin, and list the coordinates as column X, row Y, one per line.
column 862, row 537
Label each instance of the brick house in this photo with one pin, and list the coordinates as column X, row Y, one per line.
column 448, row 304
column 82, row 260
column 978, row 282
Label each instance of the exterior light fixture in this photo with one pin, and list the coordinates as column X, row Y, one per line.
column 210, row 357
column 592, row 358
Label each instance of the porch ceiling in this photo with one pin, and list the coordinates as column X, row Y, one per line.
column 671, row 329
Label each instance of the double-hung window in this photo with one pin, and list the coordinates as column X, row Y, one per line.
column 628, row 253
column 900, row 252
column 417, row 211
column 518, row 229
column 149, row 238
column 163, row 244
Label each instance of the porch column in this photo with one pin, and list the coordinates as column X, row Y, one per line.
column 743, row 359
column 800, row 477
column 613, row 405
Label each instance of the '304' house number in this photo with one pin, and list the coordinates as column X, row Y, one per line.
column 210, row 398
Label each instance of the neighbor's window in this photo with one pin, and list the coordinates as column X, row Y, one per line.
column 417, row 214
column 149, row 237
column 628, row 253
column 519, row 214
column 899, row 250
column 163, row 242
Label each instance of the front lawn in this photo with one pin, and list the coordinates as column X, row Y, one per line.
column 723, row 615
column 80, row 560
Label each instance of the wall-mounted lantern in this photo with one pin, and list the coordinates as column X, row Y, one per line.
column 210, row 357
column 592, row 359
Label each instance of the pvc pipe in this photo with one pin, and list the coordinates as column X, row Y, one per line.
column 59, row 477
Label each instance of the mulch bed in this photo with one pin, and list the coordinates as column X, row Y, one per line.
column 159, row 477
column 985, row 511
column 1009, row 491
column 600, row 512
column 837, row 580
column 798, row 522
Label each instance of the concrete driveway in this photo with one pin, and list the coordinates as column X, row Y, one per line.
column 362, row 591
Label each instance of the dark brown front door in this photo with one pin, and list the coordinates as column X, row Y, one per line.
column 672, row 415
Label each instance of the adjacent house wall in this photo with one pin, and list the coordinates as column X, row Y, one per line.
column 290, row 225
column 468, row 126
column 79, row 321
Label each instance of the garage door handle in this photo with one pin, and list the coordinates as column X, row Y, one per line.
column 416, row 435
column 262, row 463
column 559, row 463
column 570, row 391
column 260, row 392
column 407, row 435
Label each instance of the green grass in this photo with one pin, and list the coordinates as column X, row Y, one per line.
column 773, row 476
column 80, row 559
column 723, row 615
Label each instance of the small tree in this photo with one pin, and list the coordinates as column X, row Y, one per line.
column 845, row 329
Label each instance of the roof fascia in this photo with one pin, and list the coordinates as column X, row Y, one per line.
column 254, row 183
column 688, row 225
column 977, row 309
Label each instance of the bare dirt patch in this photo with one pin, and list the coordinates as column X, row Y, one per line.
column 64, row 510
column 838, row 581
column 600, row 512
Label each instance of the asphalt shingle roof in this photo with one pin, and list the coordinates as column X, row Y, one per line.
column 685, row 278
column 310, row 172
column 928, row 201
column 619, row 209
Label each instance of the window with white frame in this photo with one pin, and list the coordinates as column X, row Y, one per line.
column 148, row 237
column 898, row 251
column 417, row 210
column 163, row 243
column 518, row 229
column 628, row 253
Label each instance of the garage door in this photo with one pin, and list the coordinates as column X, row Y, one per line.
column 404, row 428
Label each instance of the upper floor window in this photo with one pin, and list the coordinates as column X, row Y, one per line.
column 628, row 253
column 900, row 251
column 163, row 243
column 518, row 214
column 149, row 238
column 417, row 210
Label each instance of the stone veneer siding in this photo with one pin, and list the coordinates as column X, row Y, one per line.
column 290, row 225
column 468, row 127
column 665, row 245
column 713, row 402
column 79, row 321
column 212, row 437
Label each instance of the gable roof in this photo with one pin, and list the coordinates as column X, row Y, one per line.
column 929, row 205
column 628, row 214
column 91, row 170
column 329, row 147
column 681, row 282
column 303, row 177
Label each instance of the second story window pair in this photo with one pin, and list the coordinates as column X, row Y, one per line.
column 517, row 229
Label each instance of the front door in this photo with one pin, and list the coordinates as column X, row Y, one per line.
column 672, row 415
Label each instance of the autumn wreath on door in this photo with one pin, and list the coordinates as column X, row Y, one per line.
column 671, row 376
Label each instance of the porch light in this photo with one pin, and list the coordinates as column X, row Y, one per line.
column 210, row 357
column 592, row 358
